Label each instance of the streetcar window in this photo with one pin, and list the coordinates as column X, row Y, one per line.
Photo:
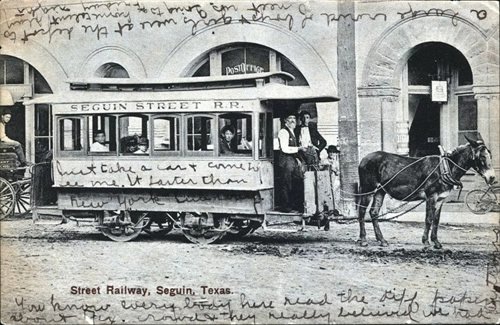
column 200, row 133
column 265, row 135
column 133, row 132
column 166, row 131
column 235, row 134
column 70, row 134
column 101, row 134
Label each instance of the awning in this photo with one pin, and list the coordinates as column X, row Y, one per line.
column 6, row 98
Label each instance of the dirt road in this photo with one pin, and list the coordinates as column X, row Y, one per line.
column 74, row 275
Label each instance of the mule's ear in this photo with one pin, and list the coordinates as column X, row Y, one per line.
column 472, row 142
column 479, row 138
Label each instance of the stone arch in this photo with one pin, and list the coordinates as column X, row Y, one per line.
column 43, row 61
column 391, row 51
column 295, row 48
column 112, row 54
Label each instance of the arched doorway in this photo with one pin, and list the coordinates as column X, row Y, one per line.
column 443, row 121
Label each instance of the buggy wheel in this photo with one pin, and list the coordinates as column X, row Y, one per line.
column 23, row 198
column 7, row 198
column 123, row 226
column 480, row 201
column 203, row 228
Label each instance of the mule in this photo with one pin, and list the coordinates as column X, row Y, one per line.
column 429, row 178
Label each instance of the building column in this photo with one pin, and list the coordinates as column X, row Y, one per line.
column 348, row 123
column 487, row 120
column 381, row 126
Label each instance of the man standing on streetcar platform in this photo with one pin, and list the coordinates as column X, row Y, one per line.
column 291, row 187
column 310, row 138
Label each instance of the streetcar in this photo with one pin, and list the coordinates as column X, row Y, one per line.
column 158, row 163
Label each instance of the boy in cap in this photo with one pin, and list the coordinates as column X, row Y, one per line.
column 5, row 116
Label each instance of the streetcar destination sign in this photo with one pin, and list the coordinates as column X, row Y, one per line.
column 156, row 106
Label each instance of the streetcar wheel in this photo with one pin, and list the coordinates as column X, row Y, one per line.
column 23, row 194
column 7, row 198
column 159, row 224
column 203, row 228
column 242, row 228
column 124, row 226
column 480, row 201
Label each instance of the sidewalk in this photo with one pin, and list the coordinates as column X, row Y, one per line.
column 463, row 217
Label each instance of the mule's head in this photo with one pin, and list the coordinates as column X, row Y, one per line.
column 482, row 160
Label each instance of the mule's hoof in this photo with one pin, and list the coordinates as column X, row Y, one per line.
column 438, row 245
column 383, row 243
column 362, row 243
column 427, row 244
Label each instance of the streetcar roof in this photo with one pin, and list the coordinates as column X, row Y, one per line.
column 262, row 87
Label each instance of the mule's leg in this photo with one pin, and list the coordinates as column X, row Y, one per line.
column 378, row 199
column 429, row 218
column 437, row 216
column 363, row 205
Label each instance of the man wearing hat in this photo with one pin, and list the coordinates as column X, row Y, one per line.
column 5, row 116
column 291, row 189
column 310, row 138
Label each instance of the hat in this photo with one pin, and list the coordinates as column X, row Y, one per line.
column 333, row 149
column 143, row 141
column 5, row 111
column 302, row 113
column 228, row 127
column 287, row 113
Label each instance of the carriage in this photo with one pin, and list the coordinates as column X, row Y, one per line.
column 182, row 180
column 15, row 184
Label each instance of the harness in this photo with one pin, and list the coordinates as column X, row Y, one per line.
column 445, row 170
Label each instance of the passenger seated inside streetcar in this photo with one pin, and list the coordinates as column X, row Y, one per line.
column 130, row 144
column 142, row 146
column 235, row 134
column 227, row 135
column 99, row 142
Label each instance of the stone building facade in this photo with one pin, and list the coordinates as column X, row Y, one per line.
column 381, row 57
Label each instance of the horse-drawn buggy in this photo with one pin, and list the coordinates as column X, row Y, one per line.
column 15, row 184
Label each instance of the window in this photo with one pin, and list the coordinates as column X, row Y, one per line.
column 166, row 134
column 70, row 135
column 200, row 133
column 133, row 130
column 101, row 134
column 111, row 70
column 11, row 71
column 235, row 134
column 43, row 132
column 243, row 58
column 467, row 118
column 245, row 61
column 41, row 85
column 265, row 135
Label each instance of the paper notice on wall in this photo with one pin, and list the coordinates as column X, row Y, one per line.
column 439, row 91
